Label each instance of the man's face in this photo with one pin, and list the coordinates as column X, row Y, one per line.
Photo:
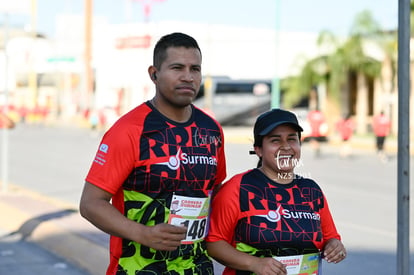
column 179, row 78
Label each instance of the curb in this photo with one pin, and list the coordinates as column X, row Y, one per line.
column 55, row 226
column 74, row 248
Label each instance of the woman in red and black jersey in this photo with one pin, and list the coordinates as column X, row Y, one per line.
column 269, row 220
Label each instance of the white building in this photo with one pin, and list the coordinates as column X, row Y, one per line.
column 122, row 53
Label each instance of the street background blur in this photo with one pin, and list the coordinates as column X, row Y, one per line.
column 48, row 166
column 70, row 68
column 86, row 61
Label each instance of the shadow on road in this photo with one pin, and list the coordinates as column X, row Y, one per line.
column 29, row 226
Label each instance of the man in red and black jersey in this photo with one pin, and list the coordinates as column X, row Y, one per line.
column 268, row 220
column 154, row 166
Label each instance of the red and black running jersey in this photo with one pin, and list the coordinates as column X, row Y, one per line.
column 145, row 158
column 264, row 218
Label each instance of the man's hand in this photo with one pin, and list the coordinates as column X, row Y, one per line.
column 164, row 236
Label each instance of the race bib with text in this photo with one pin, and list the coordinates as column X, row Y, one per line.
column 307, row 264
column 190, row 212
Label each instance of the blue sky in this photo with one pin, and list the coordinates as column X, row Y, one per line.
column 294, row 15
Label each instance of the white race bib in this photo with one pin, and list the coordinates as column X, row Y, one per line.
column 190, row 212
column 301, row 264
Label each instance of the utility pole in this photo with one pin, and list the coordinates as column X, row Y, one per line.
column 10, row 8
column 32, row 72
column 147, row 4
column 5, row 134
column 89, row 78
column 275, row 93
column 403, row 165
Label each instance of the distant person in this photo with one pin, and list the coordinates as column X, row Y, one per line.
column 267, row 219
column 317, row 122
column 23, row 112
column 6, row 122
column 345, row 127
column 155, row 171
column 381, row 125
column 93, row 119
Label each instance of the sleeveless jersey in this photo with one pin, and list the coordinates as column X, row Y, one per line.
column 265, row 219
column 143, row 160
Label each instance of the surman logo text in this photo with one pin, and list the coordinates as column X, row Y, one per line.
column 175, row 161
column 276, row 215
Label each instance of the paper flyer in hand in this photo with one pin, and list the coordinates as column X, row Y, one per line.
column 307, row 264
column 190, row 212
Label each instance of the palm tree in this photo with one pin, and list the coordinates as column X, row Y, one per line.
column 313, row 73
column 412, row 18
column 344, row 69
column 365, row 68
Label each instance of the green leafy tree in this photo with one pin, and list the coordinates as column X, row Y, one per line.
column 341, row 59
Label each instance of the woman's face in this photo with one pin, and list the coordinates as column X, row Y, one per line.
column 280, row 152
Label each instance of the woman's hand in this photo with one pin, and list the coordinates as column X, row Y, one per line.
column 334, row 251
column 227, row 255
column 264, row 266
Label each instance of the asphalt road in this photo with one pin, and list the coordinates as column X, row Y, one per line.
column 20, row 257
column 361, row 190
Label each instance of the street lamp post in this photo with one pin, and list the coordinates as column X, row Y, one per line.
column 32, row 73
column 147, row 4
column 88, row 53
column 403, row 176
column 5, row 136
column 10, row 8
column 275, row 94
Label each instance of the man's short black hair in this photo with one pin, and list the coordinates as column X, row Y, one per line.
column 175, row 39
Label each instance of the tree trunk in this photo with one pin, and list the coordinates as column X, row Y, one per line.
column 362, row 104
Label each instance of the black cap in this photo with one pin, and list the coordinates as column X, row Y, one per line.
column 269, row 120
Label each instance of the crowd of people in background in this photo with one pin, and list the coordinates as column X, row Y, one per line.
column 344, row 129
column 23, row 113
column 316, row 120
column 96, row 119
